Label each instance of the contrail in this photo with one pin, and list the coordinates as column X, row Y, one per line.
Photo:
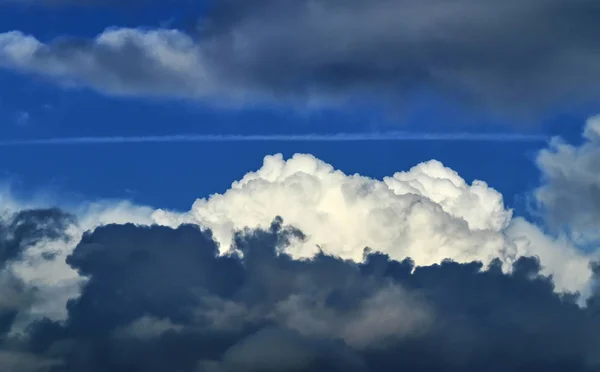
column 340, row 137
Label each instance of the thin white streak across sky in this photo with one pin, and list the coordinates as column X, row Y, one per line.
column 341, row 137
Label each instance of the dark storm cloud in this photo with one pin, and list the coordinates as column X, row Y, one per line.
column 160, row 299
column 511, row 55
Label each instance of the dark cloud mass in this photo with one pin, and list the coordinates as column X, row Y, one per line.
column 506, row 53
column 162, row 299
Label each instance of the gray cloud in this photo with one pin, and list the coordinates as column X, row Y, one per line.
column 570, row 193
column 514, row 55
column 25, row 362
column 153, row 292
column 274, row 350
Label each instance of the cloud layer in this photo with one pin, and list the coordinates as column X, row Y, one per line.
column 300, row 267
column 514, row 55
column 163, row 299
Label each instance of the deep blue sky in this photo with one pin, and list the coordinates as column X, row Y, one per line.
column 34, row 108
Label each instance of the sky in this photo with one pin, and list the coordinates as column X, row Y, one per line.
column 299, row 185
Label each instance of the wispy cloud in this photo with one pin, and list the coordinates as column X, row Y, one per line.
column 339, row 137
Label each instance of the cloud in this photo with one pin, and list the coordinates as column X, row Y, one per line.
column 283, row 350
column 41, row 237
column 119, row 61
column 18, row 232
column 506, row 55
column 384, row 316
column 418, row 271
column 570, row 193
column 133, row 278
column 442, row 317
column 27, row 227
column 26, row 362
column 428, row 213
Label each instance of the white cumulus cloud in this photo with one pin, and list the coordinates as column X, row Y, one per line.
column 428, row 213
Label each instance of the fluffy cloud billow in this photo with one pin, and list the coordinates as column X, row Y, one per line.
column 428, row 213
column 300, row 267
